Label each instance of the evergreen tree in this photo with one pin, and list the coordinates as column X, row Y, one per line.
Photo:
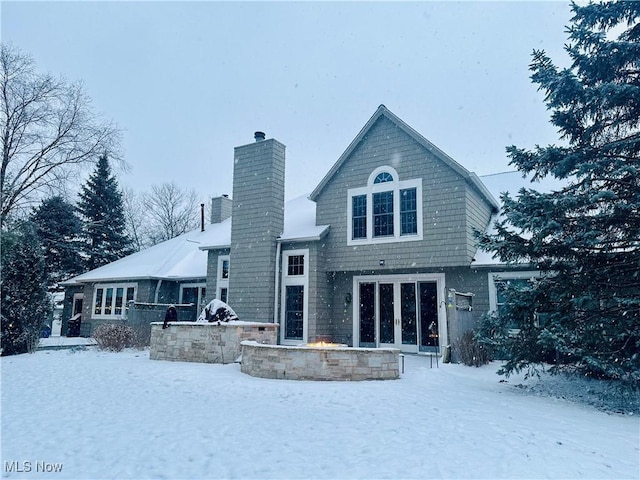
column 59, row 230
column 25, row 302
column 104, row 221
column 584, row 311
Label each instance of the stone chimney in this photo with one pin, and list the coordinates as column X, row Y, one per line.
column 220, row 208
column 256, row 223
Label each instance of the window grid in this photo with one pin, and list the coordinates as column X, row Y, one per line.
column 385, row 210
column 222, row 280
column 383, row 177
column 408, row 212
column 383, row 214
column 359, row 227
column 225, row 269
column 295, row 265
column 112, row 300
column 294, row 313
column 119, row 293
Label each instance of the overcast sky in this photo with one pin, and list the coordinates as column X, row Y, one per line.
column 189, row 81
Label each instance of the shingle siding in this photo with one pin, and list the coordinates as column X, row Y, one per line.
column 212, row 272
column 453, row 207
column 478, row 217
column 221, row 208
column 316, row 308
column 445, row 237
column 257, row 222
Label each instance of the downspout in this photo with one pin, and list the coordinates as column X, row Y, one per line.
column 277, row 282
column 155, row 298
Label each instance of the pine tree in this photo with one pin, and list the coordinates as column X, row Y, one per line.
column 25, row 302
column 59, row 229
column 584, row 311
column 104, row 221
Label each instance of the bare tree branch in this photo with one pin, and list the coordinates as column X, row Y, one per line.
column 170, row 211
column 47, row 127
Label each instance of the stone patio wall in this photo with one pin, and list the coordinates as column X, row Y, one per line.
column 207, row 342
column 319, row 363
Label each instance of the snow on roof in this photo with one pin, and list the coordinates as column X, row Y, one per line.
column 300, row 220
column 178, row 258
column 185, row 256
column 511, row 182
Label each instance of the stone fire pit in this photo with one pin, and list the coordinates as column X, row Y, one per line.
column 319, row 362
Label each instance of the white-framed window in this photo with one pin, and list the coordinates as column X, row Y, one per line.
column 193, row 293
column 496, row 293
column 111, row 300
column 295, row 296
column 386, row 210
column 222, row 282
column 496, row 279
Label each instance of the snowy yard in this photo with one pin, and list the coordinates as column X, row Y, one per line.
column 121, row 415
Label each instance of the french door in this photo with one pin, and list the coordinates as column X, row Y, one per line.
column 399, row 313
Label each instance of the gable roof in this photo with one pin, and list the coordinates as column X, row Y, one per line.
column 470, row 177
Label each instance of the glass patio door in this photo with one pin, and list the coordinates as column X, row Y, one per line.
column 397, row 326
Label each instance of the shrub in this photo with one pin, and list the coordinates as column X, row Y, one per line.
column 24, row 302
column 471, row 352
column 114, row 337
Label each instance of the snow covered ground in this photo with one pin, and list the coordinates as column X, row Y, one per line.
column 59, row 342
column 120, row 415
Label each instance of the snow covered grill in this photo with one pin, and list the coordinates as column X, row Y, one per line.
column 319, row 362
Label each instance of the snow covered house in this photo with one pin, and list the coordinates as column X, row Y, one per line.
column 381, row 253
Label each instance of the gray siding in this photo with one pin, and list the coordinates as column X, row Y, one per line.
column 67, row 308
column 470, row 280
column 318, row 309
column 257, row 222
column 212, row 272
column 339, row 324
column 444, row 202
column 221, row 208
column 169, row 292
column 478, row 218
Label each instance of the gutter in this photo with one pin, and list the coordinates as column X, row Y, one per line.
column 277, row 282
column 155, row 298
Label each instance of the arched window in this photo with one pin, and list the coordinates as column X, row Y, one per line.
column 386, row 210
column 383, row 177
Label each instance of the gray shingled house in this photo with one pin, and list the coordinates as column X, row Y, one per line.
column 381, row 253
column 391, row 257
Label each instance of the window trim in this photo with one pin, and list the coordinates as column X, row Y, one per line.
column 396, row 186
column 294, row 280
column 287, row 258
column 497, row 276
column 113, row 286
column 201, row 296
column 222, row 282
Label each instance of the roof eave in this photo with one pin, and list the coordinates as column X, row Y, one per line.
column 470, row 177
column 311, row 238
column 84, row 281
column 215, row 247
column 352, row 146
column 483, row 190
